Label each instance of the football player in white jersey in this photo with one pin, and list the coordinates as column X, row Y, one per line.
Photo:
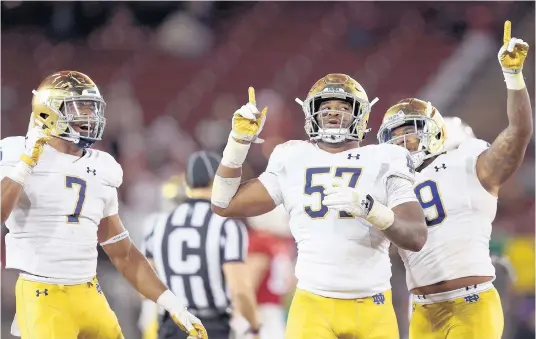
column 346, row 203
column 451, row 277
column 59, row 200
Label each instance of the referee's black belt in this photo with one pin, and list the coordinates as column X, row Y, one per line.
column 203, row 314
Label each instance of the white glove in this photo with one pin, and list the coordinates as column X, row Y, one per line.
column 180, row 315
column 349, row 200
column 33, row 148
column 189, row 323
column 359, row 204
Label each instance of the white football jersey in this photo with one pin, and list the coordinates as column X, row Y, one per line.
column 53, row 227
column 459, row 213
column 339, row 256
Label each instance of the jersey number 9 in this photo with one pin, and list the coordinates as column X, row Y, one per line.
column 430, row 200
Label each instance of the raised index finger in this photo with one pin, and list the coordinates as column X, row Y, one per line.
column 251, row 95
column 507, row 32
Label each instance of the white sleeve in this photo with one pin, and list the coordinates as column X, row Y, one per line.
column 112, row 207
column 399, row 191
column 10, row 150
column 114, row 171
column 399, row 162
column 271, row 178
column 471, row 150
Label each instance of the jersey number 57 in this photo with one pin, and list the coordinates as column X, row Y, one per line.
column 310, row 188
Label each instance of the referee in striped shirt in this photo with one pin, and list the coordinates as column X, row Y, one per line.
column 200, row 256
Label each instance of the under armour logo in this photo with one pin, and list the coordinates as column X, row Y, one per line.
column 473, row 298
column 89, row 170
column 38, row 293
column 443, row 166
column 378, row 299
column 350, row 156
column 365, row 204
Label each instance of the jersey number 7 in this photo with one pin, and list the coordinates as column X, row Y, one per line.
column 81, row 183
column 311, row 189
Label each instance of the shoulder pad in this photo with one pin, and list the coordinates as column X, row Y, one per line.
column 10, row 149
column 390, row 150
column 292, row 143
column 399, row 161
column 112, row 169
column 473, row 147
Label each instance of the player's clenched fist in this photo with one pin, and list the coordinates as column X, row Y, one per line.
column 248, row 121
column 513, row 51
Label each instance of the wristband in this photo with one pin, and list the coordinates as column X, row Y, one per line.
column 381, row 216
column 234, row 153
column 514, row 81
column 223, row 190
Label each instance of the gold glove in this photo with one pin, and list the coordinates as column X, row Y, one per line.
column 34, row 145
column 248, row 121
column 513, row 51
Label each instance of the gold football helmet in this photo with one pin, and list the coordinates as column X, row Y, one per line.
column 342, row 87
column 428, row 124
column 71, row 106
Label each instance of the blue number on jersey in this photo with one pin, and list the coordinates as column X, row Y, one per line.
column 434, row 202
column 69, row 182
column 311, row 189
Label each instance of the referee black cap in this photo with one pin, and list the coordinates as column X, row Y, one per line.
column 201, row 169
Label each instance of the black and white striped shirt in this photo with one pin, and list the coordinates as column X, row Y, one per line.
column 190, row 246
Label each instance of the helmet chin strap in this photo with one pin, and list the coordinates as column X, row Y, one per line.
column 79, row 141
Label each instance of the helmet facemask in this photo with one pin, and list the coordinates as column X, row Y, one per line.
column 426, row 129
column 352, row 130
column 80, row 119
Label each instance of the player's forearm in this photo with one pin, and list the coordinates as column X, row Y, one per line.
column 140, row 274
column 519, row 111
column 505, row 155
column 408, row 230
column 228, row 175
column 11, row 191
column 407, row 235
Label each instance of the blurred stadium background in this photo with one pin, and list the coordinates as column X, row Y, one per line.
column 172, row 74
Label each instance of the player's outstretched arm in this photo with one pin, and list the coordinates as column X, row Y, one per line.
column 498, row 163
column 135, row 267
column 229, row 197
column 15, row 177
